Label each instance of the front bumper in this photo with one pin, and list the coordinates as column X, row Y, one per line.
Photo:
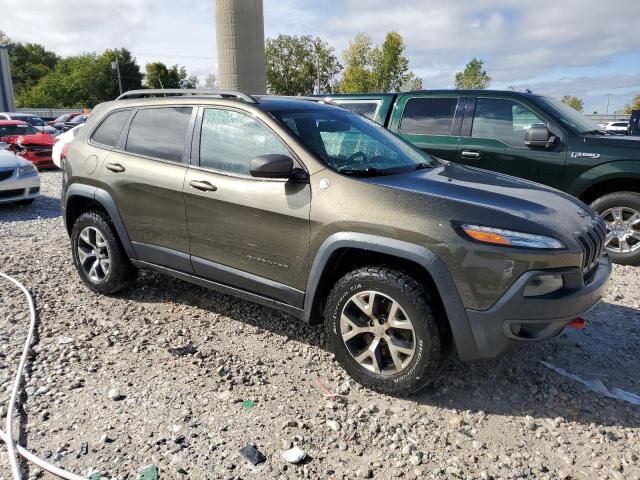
column 515, row 319
column 19, row 188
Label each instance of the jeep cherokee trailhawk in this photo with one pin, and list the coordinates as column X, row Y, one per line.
column 312, row 209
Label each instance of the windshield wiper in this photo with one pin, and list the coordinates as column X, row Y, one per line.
column 364, row 172
column 422, row 165
column 595, row 132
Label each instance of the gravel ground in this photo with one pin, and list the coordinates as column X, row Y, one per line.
column 107, row 392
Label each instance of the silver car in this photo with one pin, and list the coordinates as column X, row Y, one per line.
column 19, row 179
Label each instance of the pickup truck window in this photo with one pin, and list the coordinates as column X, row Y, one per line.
column 429, row 116
column 503, row 120
column 363, row 107
column 230, row 140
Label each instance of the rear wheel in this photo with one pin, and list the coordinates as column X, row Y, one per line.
column 621, row 213
column 382, row 330
column 98, row 255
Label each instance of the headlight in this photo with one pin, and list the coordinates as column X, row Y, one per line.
column 498, row 236
column 543, row 285
column 26, row 170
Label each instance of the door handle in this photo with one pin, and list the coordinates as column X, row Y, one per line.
column 203, row 185
column 470, row 154
column 115, row 167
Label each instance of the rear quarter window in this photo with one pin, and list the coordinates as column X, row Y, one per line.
column 368, row 109
column 109, row 130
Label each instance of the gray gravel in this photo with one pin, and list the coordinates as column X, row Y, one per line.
column 111, row 389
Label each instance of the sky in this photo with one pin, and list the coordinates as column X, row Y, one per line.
column 587, row 48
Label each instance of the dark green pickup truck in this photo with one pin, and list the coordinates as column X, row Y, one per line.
column 524, row 135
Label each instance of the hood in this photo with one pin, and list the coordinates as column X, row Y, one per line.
column 11, row 160
column 43, row 139
column 621, row 141
column 508, row 201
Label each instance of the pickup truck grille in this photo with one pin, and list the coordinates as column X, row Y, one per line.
column 4, row 174
column 592, row 241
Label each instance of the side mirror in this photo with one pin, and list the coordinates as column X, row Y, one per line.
column 272, row 165
column 539, row 136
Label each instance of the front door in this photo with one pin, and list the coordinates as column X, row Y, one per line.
column 246, row 232
column 496, row 142
column 432, row 123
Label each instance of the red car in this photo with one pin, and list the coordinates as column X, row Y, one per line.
column 60, row 121
column 28, row 142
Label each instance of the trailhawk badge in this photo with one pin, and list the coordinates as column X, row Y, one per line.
column 584, row 155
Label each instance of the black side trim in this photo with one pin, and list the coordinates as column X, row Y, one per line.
column 226, row 289
column 456, row 312
column 247, row 281
column 163, row 256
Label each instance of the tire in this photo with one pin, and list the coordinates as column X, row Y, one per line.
column 93, row 232
column 411, row 373
column 628, row 203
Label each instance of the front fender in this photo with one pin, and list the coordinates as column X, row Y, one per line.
column 456, row 313
column 614, row 170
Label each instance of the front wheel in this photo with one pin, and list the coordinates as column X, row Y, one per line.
column 621, row 213
column 382, row 330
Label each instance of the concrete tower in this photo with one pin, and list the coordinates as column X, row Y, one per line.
column 240, row 39
column 7, row 103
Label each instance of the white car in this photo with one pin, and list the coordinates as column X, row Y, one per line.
column 19, row 179
column 620, row 127
column 60, row 141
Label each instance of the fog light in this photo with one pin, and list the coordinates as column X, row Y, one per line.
column 543, row 285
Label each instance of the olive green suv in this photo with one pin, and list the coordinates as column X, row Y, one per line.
column 319, row 212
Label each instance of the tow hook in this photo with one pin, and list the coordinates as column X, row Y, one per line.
column 578, row 323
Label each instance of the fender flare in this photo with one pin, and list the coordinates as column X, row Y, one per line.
column 422, row 256
column 614, row 170
column 103, row 198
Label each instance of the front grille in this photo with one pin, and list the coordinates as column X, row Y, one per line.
column 592, row 241
column 11, row 193
column 4, row 174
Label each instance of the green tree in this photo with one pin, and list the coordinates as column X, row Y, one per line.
column 473, row 77
column 634, row 105
column 411, row 83
column 29, row 63
column 210, row 81
column 574, row 102
column 82, row 81
column 293, row 65
column 158, row 75
column 357, row 75
column 388, row 64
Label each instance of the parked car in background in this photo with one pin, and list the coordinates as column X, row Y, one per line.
column 74, row 122
column 19, row 179
column 58, row 123
column 32, row 120
column 61, row 144
column 27, row 142
column 524, row 135
column 620, row 127
column 634, row 123
column 317, row 211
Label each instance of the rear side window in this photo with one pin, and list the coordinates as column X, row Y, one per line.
column 159, row 132
column 368, row 109
column 109, row 130
column 429, row 116
column 230, row 140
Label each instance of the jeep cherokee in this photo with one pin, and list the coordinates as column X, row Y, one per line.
column 315, row 210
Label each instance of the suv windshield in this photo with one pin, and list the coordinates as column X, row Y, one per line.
column 352, row 144
column 570, row 117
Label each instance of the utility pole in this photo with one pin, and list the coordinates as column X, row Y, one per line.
column 116, row 66
column 608, row 99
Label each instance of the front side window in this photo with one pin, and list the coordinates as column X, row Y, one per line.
column 159, row 132
column 230, row 140
column 109, row 130
column 429, row 116
column 504, row 120
column 351, row 144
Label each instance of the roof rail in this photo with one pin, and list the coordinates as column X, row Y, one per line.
column 309, row 98
column 177, row 92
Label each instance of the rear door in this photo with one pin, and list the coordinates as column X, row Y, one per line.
column 493, row 139
column 251, row 233
column 145, row 174
column 431, row 122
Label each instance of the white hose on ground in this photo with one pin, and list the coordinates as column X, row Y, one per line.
column 7, row 437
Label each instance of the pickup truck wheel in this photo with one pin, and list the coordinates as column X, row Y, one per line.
column 98, row 255
column 621, row 213
column 382, row 330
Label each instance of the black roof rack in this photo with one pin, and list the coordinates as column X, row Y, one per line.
column 177, row 92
